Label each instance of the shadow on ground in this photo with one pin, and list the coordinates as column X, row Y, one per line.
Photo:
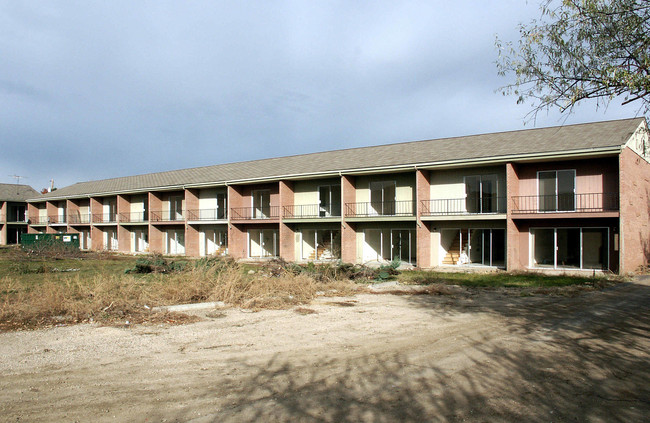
column 574, row 359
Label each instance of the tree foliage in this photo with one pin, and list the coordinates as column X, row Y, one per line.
column 581, row 49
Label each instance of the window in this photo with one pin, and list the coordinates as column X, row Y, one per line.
column 329, row 199
column 481, row 194
column 556, row 189
column 570, row 248
column 382, row 198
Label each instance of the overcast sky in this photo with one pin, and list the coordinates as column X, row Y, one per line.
column 94, row 90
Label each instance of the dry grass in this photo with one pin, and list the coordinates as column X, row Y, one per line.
column 117, row 298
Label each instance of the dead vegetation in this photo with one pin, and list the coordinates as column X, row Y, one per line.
column 129, row 298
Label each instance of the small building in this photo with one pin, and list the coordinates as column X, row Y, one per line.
column 13, row 211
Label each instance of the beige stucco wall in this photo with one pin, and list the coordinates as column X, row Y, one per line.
column 450, row 184
column 404, row 186
column 208, row 197
column 137, row 203
column 306, row 192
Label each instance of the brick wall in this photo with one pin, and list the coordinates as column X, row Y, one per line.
column 634, row 211
column 514, row 240
column 348, row 233
column 423, row 232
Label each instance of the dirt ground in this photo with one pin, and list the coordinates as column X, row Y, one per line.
column 471, row 356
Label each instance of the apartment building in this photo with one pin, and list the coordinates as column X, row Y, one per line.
column 572, row 197
column 13, row 207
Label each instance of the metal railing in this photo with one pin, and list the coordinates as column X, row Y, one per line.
column 78, row 218
column 207, row 214
column 167, row 216
column 38, row 220
column 104, row 218
column 57, row 219
column 463, row 206
column 311, row 211
column 134, row 217
column 11, row 218
column 585, row 203
column 384, row 208
column 247, row 213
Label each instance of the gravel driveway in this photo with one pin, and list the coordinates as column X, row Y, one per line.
column 469, row 356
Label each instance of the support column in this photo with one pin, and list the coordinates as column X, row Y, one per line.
column 237, row 238
column 423, row 233
column 3, row 223
column 32, row 217
column 156, row 242
column 287, row 236
column 96, row 234
column 513, row 259
column 348, row 232
column 192, row 239
column 52, row 216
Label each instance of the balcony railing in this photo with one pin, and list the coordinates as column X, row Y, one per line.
column 57, row 219
column 104, row 217
column 207, row 214
column 385, row 208
column 167, row 216
column 79, row 218
column 311, row 211
column 134, row 217
column 463, row 206
column 584, row 203
column 11, row 218
column 39, row 220
column 247, row 213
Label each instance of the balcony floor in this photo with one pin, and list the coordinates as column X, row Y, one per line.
column 439, row 217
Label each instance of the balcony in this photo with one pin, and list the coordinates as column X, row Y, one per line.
column 167, row 216
column 380, row 209
column 563, row 203
column 134, row 217
column 57, row 220
column 207, row 214
column 250, row 213
column 463, row 206
column 14, row 218
column 104, row 218
column 79, row 219
column 311, row 211
column 39, row 220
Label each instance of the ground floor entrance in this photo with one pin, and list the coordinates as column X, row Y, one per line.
column 483, row 247
column 389, row 245
column 569, row 248
column 262, row 243
column 213, row 241
column 319, row 244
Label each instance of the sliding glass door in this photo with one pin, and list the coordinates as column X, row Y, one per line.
column 556, row 190
column 570, row 248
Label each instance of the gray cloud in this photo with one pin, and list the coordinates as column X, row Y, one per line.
column 93, row 90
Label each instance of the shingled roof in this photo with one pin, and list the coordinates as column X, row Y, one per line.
column 589, row 136
column 15, row 192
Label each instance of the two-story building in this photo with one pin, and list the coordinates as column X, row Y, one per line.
column 574, row 197
column 13, row 207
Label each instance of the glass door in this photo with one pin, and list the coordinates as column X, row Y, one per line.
column 556, row 189
column 382, row 198
column 262, row 204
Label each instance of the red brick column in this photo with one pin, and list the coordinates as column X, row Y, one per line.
column 287, row 235
column 3, row 225
column 513, row 236
column 123, row 234
column 634, row 227
column 192, row 239
column 423, row 233
column 237, row 247
column 72, row 210
column 52, row 216
column 348, row 233
column 96, row 234
column 156, row 244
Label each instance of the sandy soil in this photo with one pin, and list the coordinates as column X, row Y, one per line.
column 466, row 357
